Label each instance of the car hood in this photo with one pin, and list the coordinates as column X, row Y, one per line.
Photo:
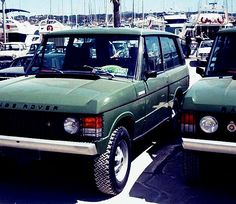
column 212, row 94
column 8, row 53
column 12, row 70
column 65, row 95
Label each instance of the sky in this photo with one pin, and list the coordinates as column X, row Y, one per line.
column 59, row 7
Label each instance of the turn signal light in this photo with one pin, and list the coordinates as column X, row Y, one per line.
column 92, row 122
column 188, row 122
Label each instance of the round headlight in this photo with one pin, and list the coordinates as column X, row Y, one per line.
column 208, row 124
column 71, row 125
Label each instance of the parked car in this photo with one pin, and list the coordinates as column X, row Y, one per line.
column 10, row 51
column 208, row 122
column 13, row 49
column 16, row 68
column 19, row 65
column 96, row 104
column 5, row 61
column 49, row 48
column 203, row 51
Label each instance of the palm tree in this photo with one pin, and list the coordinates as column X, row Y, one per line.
column 116, row 12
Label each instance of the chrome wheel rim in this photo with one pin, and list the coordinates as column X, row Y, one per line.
column 121, row 161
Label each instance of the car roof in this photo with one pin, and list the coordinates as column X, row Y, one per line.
column 9, row 70
column 25, row 56
column 227, row 31
column 10, row 43
column 109, row 31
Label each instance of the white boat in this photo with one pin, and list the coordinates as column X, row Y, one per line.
column 151, row 21
column 49, row 25
column 209, row 19
column 18, row 31
column 175, row 21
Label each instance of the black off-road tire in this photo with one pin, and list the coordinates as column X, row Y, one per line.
column 118, row 154
column 173, row 129
column 191, row 166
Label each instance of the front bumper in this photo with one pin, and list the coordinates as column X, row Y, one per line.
column 80, row 148
column 209, row 146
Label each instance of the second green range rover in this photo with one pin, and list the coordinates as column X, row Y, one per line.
column 101, row 90
column 208, row 121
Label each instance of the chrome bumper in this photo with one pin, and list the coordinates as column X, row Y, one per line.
column 209, row 146
column 81, row 148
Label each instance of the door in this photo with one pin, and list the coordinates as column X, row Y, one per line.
column 156, row 87
column 174, row 65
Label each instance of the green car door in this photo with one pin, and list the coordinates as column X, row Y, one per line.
column 156, row 83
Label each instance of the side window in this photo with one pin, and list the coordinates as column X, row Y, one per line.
column 171, row 54
column 154, row 60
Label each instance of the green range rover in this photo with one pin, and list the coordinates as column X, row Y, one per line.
column 102, row 89
column 208, row 120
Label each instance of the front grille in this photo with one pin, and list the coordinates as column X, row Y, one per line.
column 35, row 124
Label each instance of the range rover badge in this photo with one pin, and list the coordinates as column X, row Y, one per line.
column 231, row 127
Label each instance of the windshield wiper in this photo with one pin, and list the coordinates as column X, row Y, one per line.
column 51, row 71
column 57, row 70
column 85, row 71
column 99, row 71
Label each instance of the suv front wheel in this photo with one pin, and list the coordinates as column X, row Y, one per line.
column 111, row 169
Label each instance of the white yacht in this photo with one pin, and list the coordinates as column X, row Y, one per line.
column 17, row 30
column 175, row 21
column 21, row 31
column 49, row 25
column 151, row 21
column 209, row 19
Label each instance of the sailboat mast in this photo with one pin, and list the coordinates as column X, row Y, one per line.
column 226, row 11
column 50, row 8
column 106, row 8
column 4, row 21
column 62, row 11
column 133, row 14
column 143, row 10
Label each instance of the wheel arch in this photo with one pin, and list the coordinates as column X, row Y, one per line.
column 127, row 120
column 178, row 95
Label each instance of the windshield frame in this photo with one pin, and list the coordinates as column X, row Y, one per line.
column 105, row 37
column 218, row 48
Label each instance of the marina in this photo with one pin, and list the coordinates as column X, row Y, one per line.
column 19, row 25
column 207, row 18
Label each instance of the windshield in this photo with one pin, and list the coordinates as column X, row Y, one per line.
column 222, row 61
column 112, row 54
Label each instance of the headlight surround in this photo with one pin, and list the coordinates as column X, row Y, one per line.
column 208, row 124
column 71, row 125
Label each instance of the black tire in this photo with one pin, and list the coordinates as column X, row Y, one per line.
column 111, row 169
column 177, row 106
column 191, row 166
column 174, row 122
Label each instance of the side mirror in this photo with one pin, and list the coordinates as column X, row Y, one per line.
column 200, row 71
column 204, row 63
column 150, row 74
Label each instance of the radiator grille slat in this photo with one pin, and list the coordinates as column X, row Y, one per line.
column 32, row 124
